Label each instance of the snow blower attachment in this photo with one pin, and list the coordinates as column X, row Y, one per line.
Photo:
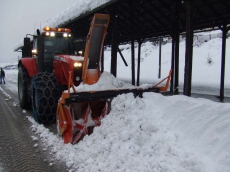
column 79, row 112
column 77, row 118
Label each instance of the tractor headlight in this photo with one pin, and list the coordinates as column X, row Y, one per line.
column 80, row 53
column 65, row 34
column 77, row 64
column 52, row 34
column 77, row 78
column 34, row 51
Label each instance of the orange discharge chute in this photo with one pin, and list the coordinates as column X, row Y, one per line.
column 93, row 49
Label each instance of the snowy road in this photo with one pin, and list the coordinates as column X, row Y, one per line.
column 19, row 148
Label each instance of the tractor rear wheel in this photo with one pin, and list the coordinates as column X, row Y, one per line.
column 45, row 95
column 23, row 88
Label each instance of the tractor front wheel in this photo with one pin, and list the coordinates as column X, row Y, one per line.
column 45, row 95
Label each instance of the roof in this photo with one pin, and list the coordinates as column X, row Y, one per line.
column 141, row 19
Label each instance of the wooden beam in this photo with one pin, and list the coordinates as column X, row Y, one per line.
column 119, row 51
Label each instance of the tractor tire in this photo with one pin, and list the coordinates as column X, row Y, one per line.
column 45, row 95
column 23, row 88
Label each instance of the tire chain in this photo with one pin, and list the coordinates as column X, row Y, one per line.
column 47, row 95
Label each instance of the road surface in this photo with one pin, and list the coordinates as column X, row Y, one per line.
column 18, row 150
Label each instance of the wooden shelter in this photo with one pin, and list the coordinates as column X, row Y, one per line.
column 134, row 21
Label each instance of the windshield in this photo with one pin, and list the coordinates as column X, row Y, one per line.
column 54, row 45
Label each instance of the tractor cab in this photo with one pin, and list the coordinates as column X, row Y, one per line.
column 51, row 42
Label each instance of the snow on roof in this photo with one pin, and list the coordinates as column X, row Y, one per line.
column 78, row 9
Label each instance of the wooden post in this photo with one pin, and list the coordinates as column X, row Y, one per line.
column 132, row 47
column 176, row 69
column 159, row 67
column 133, row 61
column 139, row 61
column 224, row 33
column 189, row 48
column 113, row 67
column 172, row 62
column 175, row 49
column 102, row 59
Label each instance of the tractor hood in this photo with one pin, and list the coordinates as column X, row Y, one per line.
column 68, row 58
column 63, row 64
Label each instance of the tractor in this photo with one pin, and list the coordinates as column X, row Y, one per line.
column 43, row 71
column 48, row 80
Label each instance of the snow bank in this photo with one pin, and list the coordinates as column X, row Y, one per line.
column 153, row 133
column 108, row 82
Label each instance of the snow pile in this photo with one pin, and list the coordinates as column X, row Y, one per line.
column 153, row 133
column 108, row 82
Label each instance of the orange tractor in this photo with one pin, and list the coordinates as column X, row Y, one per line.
column 49, row 72
column 79, row 112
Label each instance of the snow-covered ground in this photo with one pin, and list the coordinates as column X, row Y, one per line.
column 154, row 133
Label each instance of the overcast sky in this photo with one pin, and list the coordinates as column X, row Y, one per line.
column 21, row 17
